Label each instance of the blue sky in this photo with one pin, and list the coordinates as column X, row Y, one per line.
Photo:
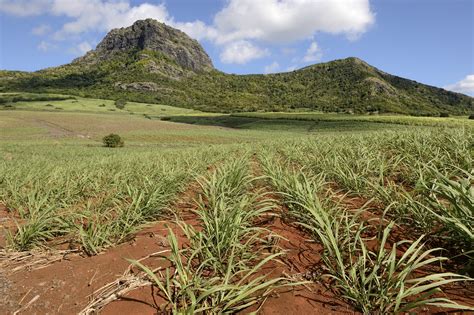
column 430, row 41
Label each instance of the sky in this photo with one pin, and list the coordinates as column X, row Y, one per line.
column 429, row 41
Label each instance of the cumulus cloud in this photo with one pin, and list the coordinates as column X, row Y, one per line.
column 291, row 20
column 41, row 29
column 84, row 47
column 272, row 68
column 24, row 7
column 98, row 15
column 285, row 21
column 313, row 54
column 248, row 24
column 45, row 46
column 80, row 49
column 466, row 85
column 241, row 52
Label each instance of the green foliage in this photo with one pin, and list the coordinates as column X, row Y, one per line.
column 120, row 103
column 113, row 141
column 6, row 98
column 348, row 85
column 93, row 197
column 219, row 271
column 375, row 281
column 452, row 202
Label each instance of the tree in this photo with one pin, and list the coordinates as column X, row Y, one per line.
column 120, row 104
column 113, row 141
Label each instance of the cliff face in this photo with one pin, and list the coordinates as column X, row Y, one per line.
column 151, row 35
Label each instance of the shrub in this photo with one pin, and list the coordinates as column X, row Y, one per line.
column 102, row 105
column 120, row 104
column 444, row 114
column 471, row 116
column 112, row 141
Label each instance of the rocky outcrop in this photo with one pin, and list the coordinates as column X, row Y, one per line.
column 151, row 35
column 137, row 86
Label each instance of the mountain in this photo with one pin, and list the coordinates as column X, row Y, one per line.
column 152, row 62
column 152, row 36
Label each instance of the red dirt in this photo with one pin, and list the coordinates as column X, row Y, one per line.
column 6, row 223
column 67, row 286
column 301, row 257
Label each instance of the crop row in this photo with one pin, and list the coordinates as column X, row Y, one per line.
column 388, row 277
column 92, row 200
column 219, row 271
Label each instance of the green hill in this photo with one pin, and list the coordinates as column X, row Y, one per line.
column 152, row 62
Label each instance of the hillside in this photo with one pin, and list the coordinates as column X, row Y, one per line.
column 152, row 62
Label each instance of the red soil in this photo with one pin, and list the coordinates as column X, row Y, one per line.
column 67, row 286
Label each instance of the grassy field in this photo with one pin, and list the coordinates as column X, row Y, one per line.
column 388, row 200
column 458, row 121
column 29, row 101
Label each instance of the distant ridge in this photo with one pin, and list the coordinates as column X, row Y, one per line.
column 150, row 61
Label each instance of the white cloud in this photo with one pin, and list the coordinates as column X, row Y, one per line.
column 84, row 47
column 197, row 30
column 313, row 54
column 291, row 20
column 241, row 52
column 272, row 68
column 98, row 15
column 287, row 51
column 466, row 85
column 25, row 7
column 248, row 24
column 41, row 29
column 286, row 21
column 45, row 46
column 291, row 68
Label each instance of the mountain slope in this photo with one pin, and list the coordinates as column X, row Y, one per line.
column 152, row 62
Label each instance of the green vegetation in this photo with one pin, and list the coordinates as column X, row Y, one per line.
column 11, row 98
column 220, row 273
column 348, row 85
column 42, row 102
column 120, row 104
column 382, row 202
column 113, row 141
column 389, row 205
column 460, row 121
column 373, row 280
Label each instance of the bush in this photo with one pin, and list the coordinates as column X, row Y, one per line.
column 102, row 105
column 443, row 114
column 112, row 141
column 120, row 104
column 471, row 116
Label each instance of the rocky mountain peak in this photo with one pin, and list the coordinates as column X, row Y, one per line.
column 151, row 35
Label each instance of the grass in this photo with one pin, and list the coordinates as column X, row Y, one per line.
column 221, row 269
column 62, row 186
column 373, row 280
column 460, row 121
column 94, row 197
column 54, row 103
